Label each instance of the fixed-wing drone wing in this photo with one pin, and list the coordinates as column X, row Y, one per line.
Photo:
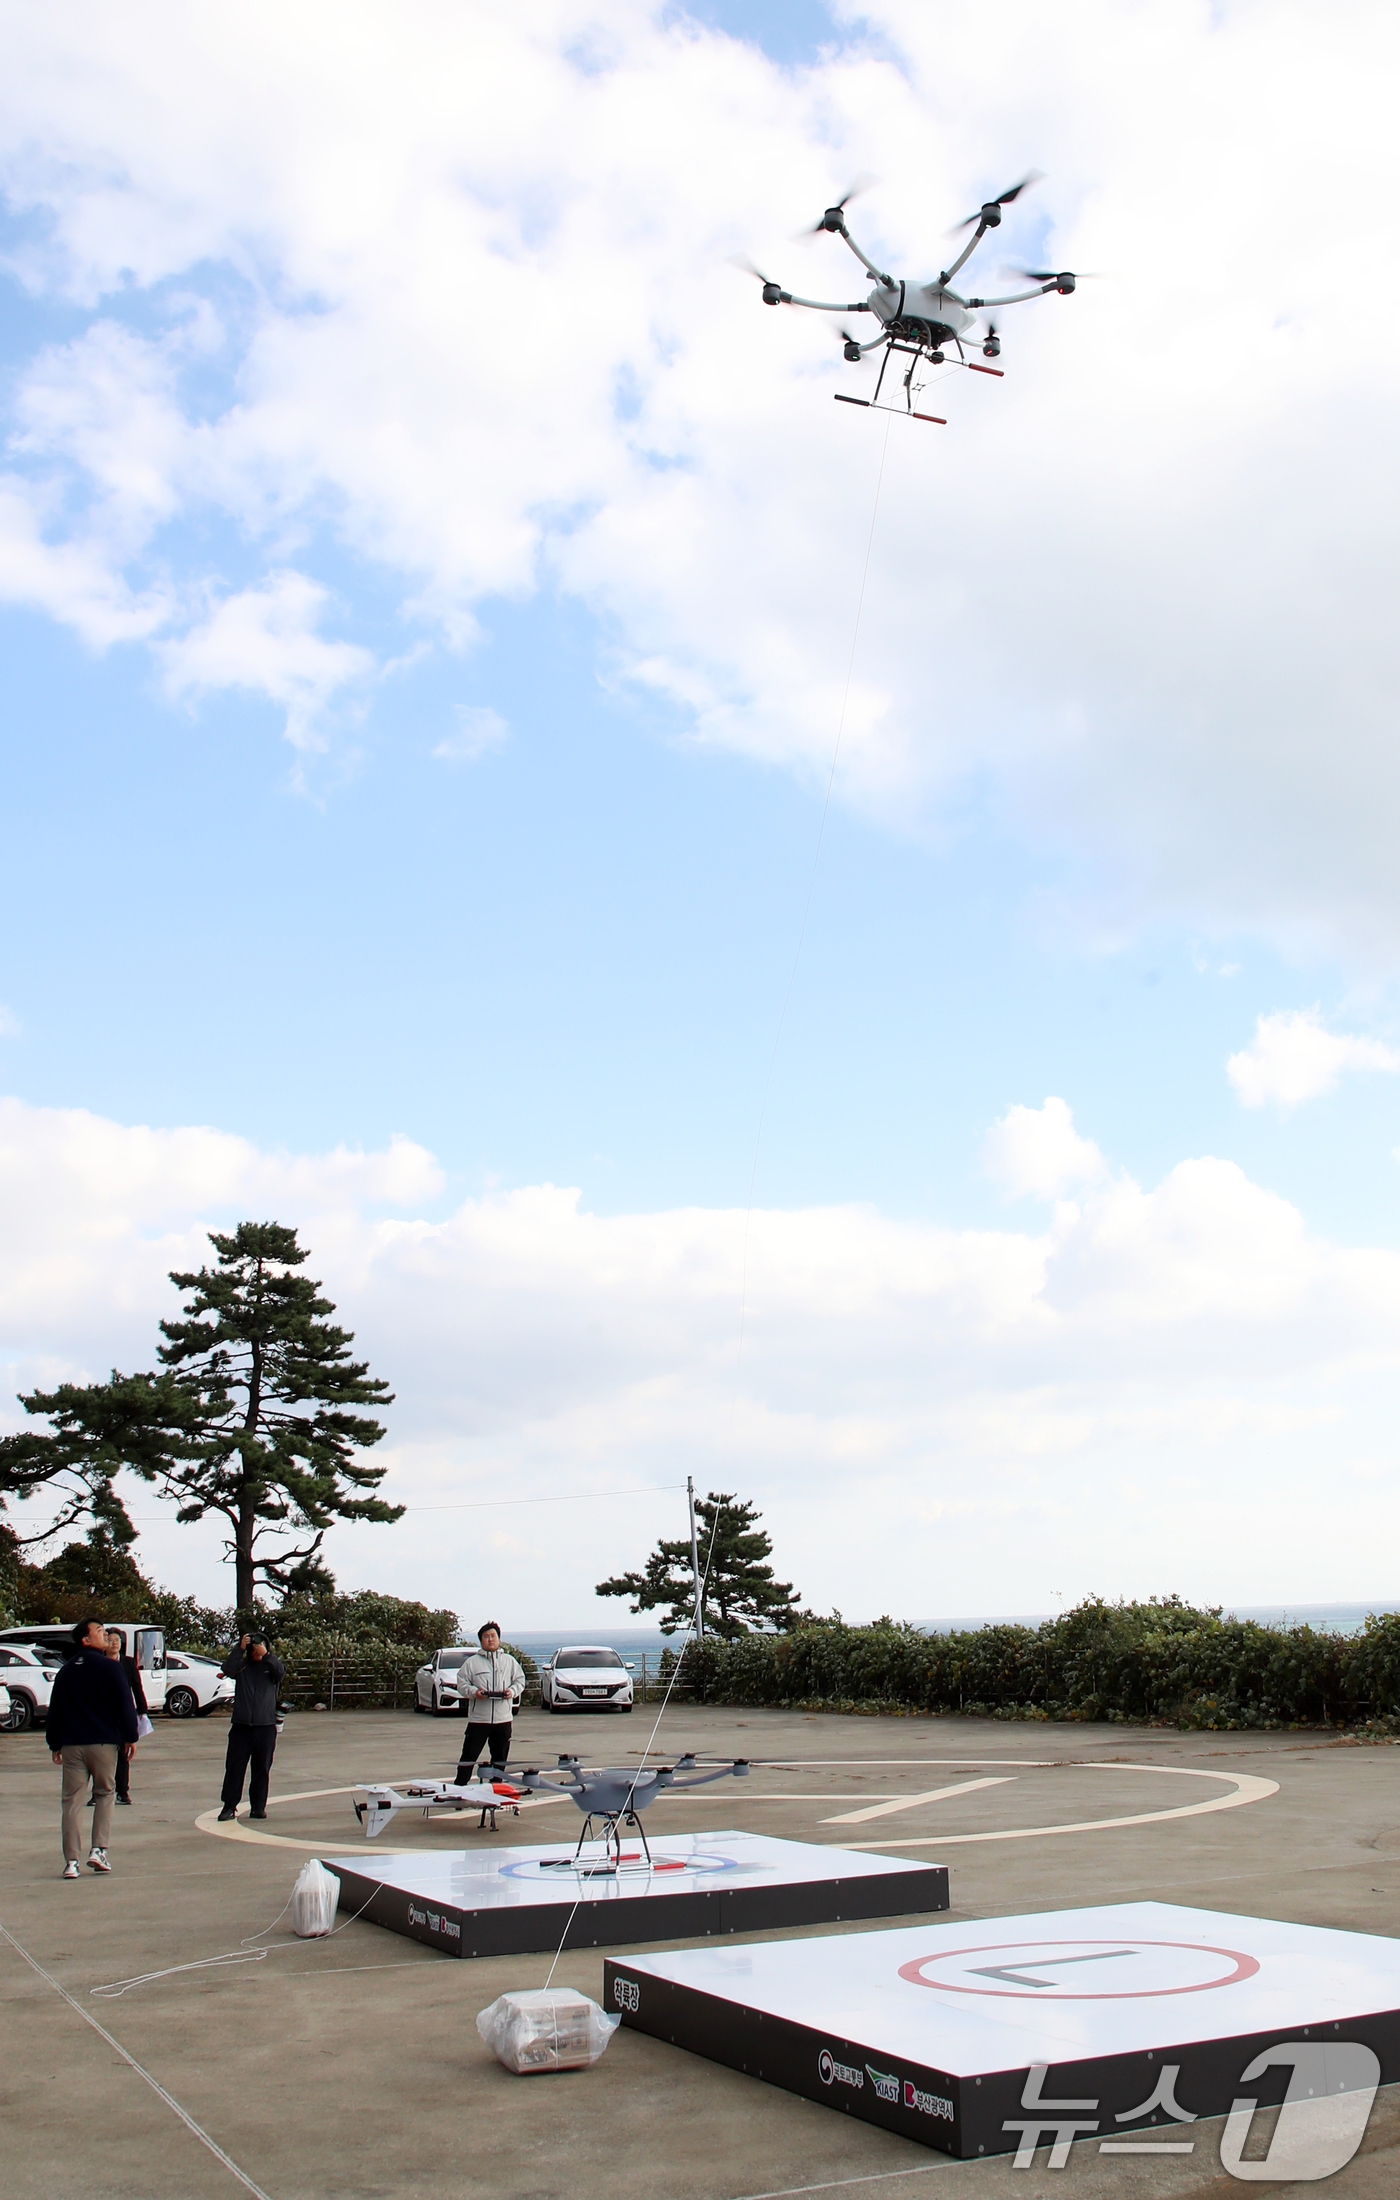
column 618, row 1794
column 377, row 1803
column 921, row 318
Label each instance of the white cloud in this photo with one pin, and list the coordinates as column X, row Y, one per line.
column 485, row 335
column 265, row 640
column 479, row 730
column 934, row 1420
column 1039, row 1150
column 1292, row 1058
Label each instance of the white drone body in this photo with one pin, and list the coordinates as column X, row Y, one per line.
column 922, row 317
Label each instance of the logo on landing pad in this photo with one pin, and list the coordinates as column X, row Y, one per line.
column 885, row 2082
column 832, row 2072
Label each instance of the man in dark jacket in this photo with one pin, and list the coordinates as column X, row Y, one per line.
column 91, row 1716
column 132, row 1671
column 252, row 1730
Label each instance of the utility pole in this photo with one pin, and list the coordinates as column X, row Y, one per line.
column 695, row 1562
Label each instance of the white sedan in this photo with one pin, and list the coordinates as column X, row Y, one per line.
column 586, row 1676
column 194, row 1686
column 435, row 1684
column 28, row 1676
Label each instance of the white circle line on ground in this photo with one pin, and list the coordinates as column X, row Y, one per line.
column 238, row 1829
column 1248, row 1788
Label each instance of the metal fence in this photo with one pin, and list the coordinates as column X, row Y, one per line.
column 381, row 1680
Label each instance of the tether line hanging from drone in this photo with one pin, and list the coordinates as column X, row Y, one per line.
column 923, row 318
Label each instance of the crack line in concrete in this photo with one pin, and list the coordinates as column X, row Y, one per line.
column 154, row 2083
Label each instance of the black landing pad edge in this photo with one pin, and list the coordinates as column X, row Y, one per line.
column 692, row 1913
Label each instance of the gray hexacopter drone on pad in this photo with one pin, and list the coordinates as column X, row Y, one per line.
column 618, row 1794
column 921, row 318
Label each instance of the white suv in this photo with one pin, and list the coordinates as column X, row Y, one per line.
column 28, row 1675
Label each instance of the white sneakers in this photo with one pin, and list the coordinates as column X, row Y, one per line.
column 70, row 1871
column 97, row 1862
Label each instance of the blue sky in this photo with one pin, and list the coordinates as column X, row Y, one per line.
column 428, row 591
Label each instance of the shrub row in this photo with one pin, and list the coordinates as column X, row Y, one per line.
column 1160, row 1662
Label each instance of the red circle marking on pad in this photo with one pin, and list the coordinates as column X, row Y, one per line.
column 1244, row 1967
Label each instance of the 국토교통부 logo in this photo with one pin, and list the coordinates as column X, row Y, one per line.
column 832, row 2072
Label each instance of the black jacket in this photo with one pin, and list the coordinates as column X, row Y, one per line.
column 134, row 1682
column 91, row 1702
column 258, row 1680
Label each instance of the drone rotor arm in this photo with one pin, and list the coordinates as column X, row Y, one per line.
column 826, row 305
column 1017, row 296
column 869, row 265
column 964, row 256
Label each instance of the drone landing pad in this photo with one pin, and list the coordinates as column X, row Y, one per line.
column 494, row 1902
column 934, row 2031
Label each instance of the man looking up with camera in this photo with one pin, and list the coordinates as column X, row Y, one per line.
column 252, row 1734
column 490, row 1684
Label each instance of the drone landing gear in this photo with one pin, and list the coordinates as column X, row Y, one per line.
column 612, row 1859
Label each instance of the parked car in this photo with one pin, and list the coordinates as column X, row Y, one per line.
column 4, row 1710
column 435, row 1684
column 141, row 1640
column 29, row 1680
column 194, row 1685
column 586, row 1677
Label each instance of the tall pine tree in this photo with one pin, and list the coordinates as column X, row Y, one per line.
column 249, row 1417
column 738, row 1591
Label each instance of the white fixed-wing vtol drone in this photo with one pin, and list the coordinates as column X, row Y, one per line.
column 921, row 319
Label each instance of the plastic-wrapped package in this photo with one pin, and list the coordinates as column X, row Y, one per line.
column 315, row 1898
column 546, row 2028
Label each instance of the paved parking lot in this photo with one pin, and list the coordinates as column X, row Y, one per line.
column 353, row 2067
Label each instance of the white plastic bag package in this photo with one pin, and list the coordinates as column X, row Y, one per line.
column 546, row 2028
column 315, row 1898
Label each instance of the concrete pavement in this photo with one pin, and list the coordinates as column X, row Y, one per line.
column 353, row 2067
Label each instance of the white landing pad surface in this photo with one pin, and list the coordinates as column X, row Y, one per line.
column 937, row 2030
column 504, row 1901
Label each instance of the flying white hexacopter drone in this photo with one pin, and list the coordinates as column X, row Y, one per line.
column 921, row 318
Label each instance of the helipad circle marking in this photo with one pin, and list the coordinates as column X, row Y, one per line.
column 1012, row 1986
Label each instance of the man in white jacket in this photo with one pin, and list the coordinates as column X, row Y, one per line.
column 490, row 1684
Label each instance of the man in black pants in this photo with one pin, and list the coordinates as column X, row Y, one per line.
column 132, row 1671
column 490, row 1683
column 252, row 1733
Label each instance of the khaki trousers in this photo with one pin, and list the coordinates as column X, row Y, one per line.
column 80, row 1759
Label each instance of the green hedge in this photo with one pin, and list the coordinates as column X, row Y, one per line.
column 1160, row 1662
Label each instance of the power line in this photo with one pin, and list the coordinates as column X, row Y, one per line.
column 486, row 1504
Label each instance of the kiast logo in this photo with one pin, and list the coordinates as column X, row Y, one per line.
column 885, row 2082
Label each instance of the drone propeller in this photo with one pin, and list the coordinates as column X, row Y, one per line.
column 989, row 214
column 835, row 216
column 773, row 293
column 1060, row 276
column 851, row 346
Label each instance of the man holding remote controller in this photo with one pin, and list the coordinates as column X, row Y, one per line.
column 490, row 1684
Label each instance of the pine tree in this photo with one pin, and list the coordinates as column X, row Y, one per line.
column 738, row 1588
column 249, row 1416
